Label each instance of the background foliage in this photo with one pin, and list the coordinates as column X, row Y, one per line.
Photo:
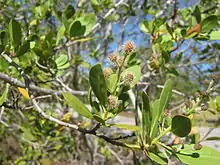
column 66, row 60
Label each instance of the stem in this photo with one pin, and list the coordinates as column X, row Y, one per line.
column 161, row 135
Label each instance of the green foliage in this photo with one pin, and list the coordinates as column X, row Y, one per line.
column 181, row 126
column 98, row 83
column 77, row 105
column 52, row 48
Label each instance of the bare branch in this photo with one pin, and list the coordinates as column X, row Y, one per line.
column 17, row 83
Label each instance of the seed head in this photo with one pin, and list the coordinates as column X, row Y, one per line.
column 129, row 47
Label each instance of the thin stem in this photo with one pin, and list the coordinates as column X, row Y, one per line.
column 161, row 135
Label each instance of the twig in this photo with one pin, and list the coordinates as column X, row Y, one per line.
column 18, row 83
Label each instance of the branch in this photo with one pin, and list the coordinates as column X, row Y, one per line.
column 17, row 83
column 75, row 127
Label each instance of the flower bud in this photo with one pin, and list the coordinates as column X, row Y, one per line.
column 113, row 57
column 129, row 47
column 106, row 72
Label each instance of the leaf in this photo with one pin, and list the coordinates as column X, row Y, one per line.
column 204, row 156
column 181, row 125
column 77, row 105
column 94, row 2
column 136, row 70
column 165, row 97
column 126, row 126
column 98, row 119
column 88, row 21
column 98, row 83
column 76, row 29
column 209, row 23
column 159, row 158
column 144, row 27
column 61, row 60
column 146, row 118
column 24, row 93
column 159, row 106
column 154, row 123
column 213, row 138
column 112, row 82
column 193, row 31
column 197, row 14
column 215, row 35
column 4, row 95
column 27, row 134
column 60, row 33
column 23, row 49
column 69, row 11
column 169, row 29
column 15, row 33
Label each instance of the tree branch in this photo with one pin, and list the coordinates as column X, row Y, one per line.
column 17, row 83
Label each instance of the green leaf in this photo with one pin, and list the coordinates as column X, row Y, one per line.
column 23, row 49
column 213, row 138
column 144, row 27
column 98, row 119
column 136, row 70
column 27, row 134
column 146, row 118
column 112, row 82
column 165, row 97
column 77, row 105
column 127, row 127
column 159, row 158
column 61, row 60
column 76, row 29
column 169, row 29
column 197, row 14
column 69, row 11
column 209, row 23
column 154, row 114
column 4, row 95
column 204, row 156
column 60, row 33
column 15, row 33
column 94, row 2
column 98, row 83
column 181, row 125
column 88, row 21
column 159, row 106
column 215, row 35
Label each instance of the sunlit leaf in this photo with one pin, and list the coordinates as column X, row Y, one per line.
column 24, row 93
column 210, row 23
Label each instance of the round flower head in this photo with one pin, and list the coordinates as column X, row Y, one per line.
column 113, row 57
column 106, row 72
column 129, row 47
column 128, row 77
column 112, row 102
column 120, row 60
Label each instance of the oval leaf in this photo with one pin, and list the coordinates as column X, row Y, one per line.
column 98, row 84
column 181, row 125
column 15, row 33
column 77, row 105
